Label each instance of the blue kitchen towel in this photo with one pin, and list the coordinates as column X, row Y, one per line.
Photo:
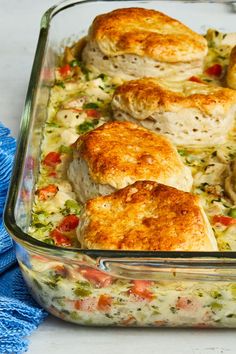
column 19, row 314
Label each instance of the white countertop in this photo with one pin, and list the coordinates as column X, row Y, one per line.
column 19, row 27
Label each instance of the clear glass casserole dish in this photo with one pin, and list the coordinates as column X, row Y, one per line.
column 115, row 288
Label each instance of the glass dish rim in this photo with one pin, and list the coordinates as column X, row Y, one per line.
column 9, row 218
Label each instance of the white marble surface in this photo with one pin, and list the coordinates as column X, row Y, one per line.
column 19, row 26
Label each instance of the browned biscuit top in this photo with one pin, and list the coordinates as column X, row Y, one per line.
column 146, row 216
column 149, row 95
column 119, row 153
column 146, row 33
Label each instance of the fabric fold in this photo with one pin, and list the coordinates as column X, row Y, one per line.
column 19, row 313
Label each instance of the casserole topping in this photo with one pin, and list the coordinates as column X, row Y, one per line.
column 80, row 102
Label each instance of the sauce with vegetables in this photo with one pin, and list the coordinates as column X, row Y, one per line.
column 80, row 293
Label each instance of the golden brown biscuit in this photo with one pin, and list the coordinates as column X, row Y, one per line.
column 187, row 112
column 119, row 153
column 136, row 42
column 146, row 216
column 231, row 71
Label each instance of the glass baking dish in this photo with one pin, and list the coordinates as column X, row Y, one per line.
column 94, row 287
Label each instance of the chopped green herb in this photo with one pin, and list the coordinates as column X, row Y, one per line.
column 66, row 312
column 71, row 207
column 173, row 309
column 40, row 219
column 74, row 316
column 86, row 126
column 75, row 63
column 199, row 293
column 231, row 315
column 91, row 105
column 65, row 149
column 102, row 76
column 85, row 71
column 216, row 306
column 155, row 307
column 60, row 83
column 182, row 152
column 216, row 200
column 83, row 68
column 39, row 225
column 60, row 300
column 203, row 185
column 221, row 57
column 108, row 315
column 211, row 44
column 52, row 124
column 224, row 246
column 232, row 213
column 82, row 289
column 49, row 241
column 214, row 153
column 54, row 279
column 215, row 294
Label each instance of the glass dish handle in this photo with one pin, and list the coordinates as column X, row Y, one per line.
column 169, row 269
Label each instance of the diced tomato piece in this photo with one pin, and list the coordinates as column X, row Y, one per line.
column 87, row 304
column 184, row 303
column 60, row 239
column 93, row 113
column 78, row 304
column 52, row 174
column 96, row 277
column 104, row 302
column 69, row 222
column 214, row 70
column 195, row 79
column 52, row 159
column 224, row 220
column 140, row 288
column 65, row 70
column 47, row 192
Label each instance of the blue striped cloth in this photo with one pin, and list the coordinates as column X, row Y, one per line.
column 19, row 314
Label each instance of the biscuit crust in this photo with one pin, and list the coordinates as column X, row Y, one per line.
column 120, row 153
column 146, row 33
column 146, row 216
column 143, row 97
